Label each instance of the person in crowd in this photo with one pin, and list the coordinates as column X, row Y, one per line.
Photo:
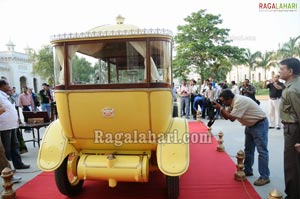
column 46, row 98
column 175, row 106
column 198, row 101
column 3, row 160
column 25, row 100
column 203, row 88
column 275, row 91
column 290, row 115
column 174, row 93
column 235, row 88
column 210, row 96
column 219, row 87
column 9, row 122
column 249, row 114
column 22, row 145
column 15, row 95
column 249, row 90
column 194, row 93
column 26, row 103
column 185, row 98
column 225, row 84
column 35, row 99
column 11, row 98
column 213, row 83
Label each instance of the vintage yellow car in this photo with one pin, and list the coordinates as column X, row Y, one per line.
column 114, row 102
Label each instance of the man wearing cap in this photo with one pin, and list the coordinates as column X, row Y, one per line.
column 46, row 98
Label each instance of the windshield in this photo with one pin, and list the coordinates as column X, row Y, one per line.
column 114, row 62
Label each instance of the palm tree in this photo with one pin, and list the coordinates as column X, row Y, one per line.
column 266, row 60
column 250, row 60
column 290, row 48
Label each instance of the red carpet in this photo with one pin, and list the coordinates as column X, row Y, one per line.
column 210, row 175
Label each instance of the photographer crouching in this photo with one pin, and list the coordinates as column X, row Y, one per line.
column 249, row 114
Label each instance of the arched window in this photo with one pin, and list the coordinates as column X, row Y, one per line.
column 23, row 82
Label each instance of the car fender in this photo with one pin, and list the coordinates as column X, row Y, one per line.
column 173, row 149
column 54, row 148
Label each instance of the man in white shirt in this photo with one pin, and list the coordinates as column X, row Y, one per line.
column 210, row 95
column 235, row 88
column 9, row 122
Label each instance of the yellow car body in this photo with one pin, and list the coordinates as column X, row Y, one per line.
column 117, row 129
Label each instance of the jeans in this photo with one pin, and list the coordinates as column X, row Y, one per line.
column 185, row 101
column 46, row 107
column 193, row 111
column 11, row 146
column 257, row 136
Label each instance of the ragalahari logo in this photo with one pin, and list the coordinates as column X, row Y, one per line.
column 278, row 7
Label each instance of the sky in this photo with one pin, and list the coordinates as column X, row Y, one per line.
column 32, row 22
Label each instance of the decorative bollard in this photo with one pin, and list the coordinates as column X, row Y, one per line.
column 220, row 146
column 275, row 194
column 240, row 174
column 8, row 192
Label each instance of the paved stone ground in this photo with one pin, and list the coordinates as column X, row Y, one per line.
column 233, row 142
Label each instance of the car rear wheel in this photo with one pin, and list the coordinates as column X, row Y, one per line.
column 66, row 178
column 172, row 186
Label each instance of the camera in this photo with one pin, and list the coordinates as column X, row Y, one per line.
column 217, row 100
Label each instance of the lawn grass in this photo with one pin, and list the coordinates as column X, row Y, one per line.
column 262, row 92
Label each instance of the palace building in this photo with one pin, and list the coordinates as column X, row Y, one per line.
column 16, row 68
column 239, row 73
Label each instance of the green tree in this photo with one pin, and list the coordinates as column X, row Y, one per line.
column 180, row 68
column 203, row 45
column 82, row 71
column 43, row 63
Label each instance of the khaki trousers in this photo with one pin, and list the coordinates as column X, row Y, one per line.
column 291, row 161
